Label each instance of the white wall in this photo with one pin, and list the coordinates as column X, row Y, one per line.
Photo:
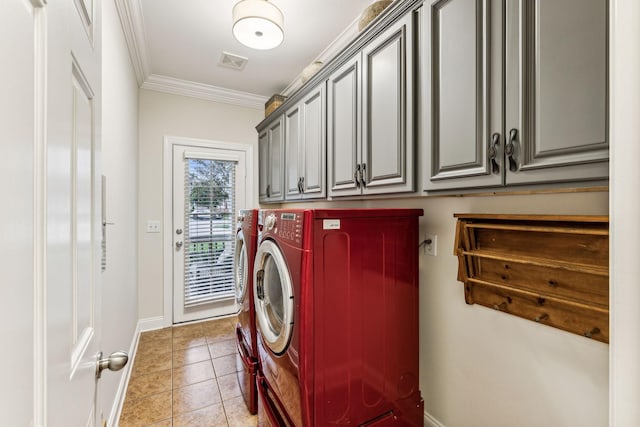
column 17, row 222
column 120, row 166
column 482, row 368
column 164, row 114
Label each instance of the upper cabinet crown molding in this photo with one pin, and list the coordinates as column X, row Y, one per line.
column 391, row 14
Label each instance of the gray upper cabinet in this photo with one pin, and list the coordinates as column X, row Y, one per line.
column 305, row 147
column 556, row 91
column 526, row 106
column 370, row 117
column 293, row 142
column 463, row 93
column 271, row 162
column 343, row 129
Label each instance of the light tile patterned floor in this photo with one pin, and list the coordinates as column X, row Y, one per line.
column 186, row 376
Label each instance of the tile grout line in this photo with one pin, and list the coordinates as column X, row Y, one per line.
column 211, row 338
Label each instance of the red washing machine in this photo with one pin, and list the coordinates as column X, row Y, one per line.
column 336, row 299
column 247, row 354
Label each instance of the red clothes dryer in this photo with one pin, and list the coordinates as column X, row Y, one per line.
column 247, row 351
column 336, row 299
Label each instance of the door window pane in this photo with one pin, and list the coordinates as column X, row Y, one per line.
column 209, row 230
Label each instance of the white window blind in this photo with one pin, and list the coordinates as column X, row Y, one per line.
column 210, row 206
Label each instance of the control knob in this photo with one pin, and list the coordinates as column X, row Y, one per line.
column 270, row 222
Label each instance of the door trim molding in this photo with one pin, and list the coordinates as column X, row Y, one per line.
column 39, row 215
column 167, row 208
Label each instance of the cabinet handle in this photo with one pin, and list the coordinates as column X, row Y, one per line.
column 301, row 184
column 493, row 153
column 509, row 150
column 269, row 190
column 356, row 176
column 363, row 175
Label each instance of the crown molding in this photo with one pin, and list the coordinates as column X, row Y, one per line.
column 132, row 21
column 335, row 47
column 203, row 91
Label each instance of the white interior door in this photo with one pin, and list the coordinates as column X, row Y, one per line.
column 72, row 222
column 207, row 185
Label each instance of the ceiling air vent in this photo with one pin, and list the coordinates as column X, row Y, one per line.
column 235, row 62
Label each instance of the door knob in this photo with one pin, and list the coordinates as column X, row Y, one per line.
column 114, row 362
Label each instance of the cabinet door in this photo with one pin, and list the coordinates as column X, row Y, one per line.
column 387, row 99
column 556, row 90
column 313, row 155
column 263, row 167
column 463, row 94
column 343, row 128
column 293, row 149
column 276, row 160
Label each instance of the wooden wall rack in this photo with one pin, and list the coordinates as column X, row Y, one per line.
column 546, row 268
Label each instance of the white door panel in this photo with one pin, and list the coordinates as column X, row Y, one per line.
column 73, row 213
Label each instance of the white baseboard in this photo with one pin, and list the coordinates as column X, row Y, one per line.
column 430, row 421
column 118, row 401
column 151, row 324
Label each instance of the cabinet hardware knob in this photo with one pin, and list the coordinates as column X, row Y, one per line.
column 509, row 150
column 493, row 153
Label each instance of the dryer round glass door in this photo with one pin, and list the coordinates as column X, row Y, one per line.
column 242, row 269
column 273, row 296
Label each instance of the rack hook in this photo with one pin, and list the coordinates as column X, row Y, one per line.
column 501, row 307
column 592, row 332
column 543, row 316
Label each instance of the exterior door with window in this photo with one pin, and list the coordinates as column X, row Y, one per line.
column 207, row 185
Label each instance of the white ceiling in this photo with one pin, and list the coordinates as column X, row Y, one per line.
column 178, row 44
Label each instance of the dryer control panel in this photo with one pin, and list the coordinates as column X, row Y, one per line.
column 289, row 227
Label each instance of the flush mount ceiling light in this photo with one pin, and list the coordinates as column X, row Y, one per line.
column 258, row 24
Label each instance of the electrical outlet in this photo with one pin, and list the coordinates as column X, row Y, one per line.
column 153, row 226
column 430, row 244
